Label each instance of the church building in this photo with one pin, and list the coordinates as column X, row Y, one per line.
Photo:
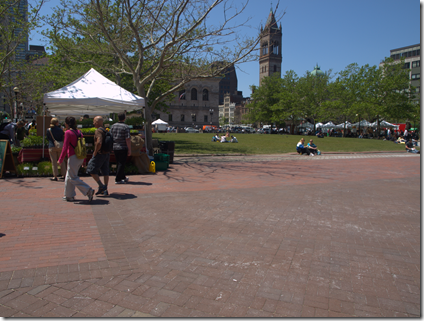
column 270, row 56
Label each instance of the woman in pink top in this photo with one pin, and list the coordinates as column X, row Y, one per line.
column 74, row 163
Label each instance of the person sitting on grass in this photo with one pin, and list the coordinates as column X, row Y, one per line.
column 224, row 139
column 313, row 149
column 409, row 146
column 234, row 139
column 215, row 138
column 301, row 149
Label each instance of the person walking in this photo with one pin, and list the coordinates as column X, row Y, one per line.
column 121, row 147
column 55, row 134
column 74, row 163
column 100, row 160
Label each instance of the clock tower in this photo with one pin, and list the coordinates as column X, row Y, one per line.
column 270, row 57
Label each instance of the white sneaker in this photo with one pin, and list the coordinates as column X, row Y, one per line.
column 312, row 154
column 126, row 180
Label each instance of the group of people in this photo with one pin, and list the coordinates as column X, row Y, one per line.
column 98, row 164
column 311, row 149
column 223, row 138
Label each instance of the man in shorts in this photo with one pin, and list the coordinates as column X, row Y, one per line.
column 100, row 160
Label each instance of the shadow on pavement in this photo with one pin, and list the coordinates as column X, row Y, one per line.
column 121, row 196
column 95, row 201
column 138, row 183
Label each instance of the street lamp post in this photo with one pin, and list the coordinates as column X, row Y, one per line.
column 211, row 112
column 15, row 111
column 193, row 117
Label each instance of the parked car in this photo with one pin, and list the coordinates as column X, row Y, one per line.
column 191, row 130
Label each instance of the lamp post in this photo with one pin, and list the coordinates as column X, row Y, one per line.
column 15, row 109
column 211, row 112
column 193, row 118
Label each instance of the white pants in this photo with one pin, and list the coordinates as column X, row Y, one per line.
column 72, row 180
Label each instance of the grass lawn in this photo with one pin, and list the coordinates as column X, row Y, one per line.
column 200, row 143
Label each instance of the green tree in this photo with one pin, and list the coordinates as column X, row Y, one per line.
column 16, row 20
column 151, row 42
column 313, row 90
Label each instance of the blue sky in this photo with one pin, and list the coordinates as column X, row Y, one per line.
column 336, row 33
column 332, row 33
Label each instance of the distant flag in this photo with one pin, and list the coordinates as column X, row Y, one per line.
column 182, row 96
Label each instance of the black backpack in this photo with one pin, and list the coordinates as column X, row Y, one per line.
column 107, row 144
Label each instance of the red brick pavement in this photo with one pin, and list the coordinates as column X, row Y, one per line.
column 295, row 237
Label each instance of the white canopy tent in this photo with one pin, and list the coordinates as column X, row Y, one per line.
column 330, row 124
column 159, row 122
column 319, row 125
column 92, row 94
column 342, row 125
column 383, row 124
column 306, row 125
column 363, row 123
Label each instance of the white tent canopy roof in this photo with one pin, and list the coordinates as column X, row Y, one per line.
column 342, row 125
column 306, row 125
column 364, row 123
column 330, row 124
column 92, row 94
column 383, row 124
column 159, row 122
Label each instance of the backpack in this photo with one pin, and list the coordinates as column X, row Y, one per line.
column 80, row 149
column 107, row 143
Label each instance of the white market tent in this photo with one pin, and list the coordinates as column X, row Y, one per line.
column 159, row 122
column 383, row 124
column 342, row 125
column 330, row 124
column 306, row 125
column 363, row 123
column 92, row 94
column 318, row 125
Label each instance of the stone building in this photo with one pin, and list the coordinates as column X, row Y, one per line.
column 270, row 56
column 194, row 106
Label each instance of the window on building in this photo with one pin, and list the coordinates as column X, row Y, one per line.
column 182, row 117
column 397, row 56
column 418, row 52
column 407, row 65
column 415, row 76
column 264, row 48
column 275, row 48
column 415, row 64
column 205, row 118
column 205, row 95
column 182, row 94
column 193, row 118
column 194, row 94
column 275, row 68
column 170, row 117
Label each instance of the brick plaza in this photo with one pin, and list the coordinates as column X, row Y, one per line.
column 246, row 236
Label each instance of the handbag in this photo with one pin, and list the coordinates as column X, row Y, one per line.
column 58, row 145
